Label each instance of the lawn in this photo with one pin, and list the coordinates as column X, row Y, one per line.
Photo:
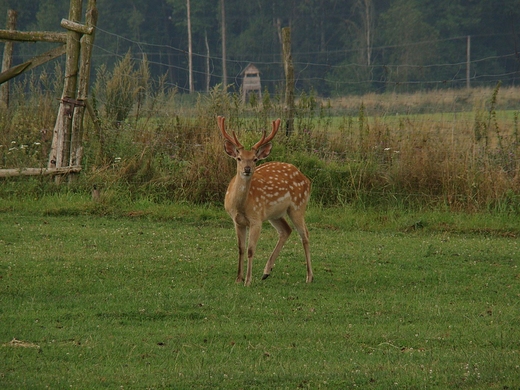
column 144, row 300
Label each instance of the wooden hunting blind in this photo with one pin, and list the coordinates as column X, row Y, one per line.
column 251, row 82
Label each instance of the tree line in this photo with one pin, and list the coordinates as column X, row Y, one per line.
column 339, row 46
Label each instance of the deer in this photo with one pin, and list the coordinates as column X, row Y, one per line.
column 267, row 192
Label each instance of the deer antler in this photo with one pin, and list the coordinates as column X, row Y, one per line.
column 222, row 126
column 264, row 140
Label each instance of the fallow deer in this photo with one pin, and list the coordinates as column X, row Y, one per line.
column 267, row 192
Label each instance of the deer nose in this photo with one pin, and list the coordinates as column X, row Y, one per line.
column 247, row 170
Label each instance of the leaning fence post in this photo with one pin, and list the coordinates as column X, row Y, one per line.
column 7, row 59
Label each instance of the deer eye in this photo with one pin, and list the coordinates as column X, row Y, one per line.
column 255, row 159
column 239, row 159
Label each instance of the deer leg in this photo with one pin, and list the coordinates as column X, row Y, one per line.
column 299, row 224
column 254, row 235
column 284, row 231
column 241, row 240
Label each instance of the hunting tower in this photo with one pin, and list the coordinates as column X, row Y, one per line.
column 251, row 82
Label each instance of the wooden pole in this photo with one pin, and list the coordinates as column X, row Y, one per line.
column 60, row 149
column 468, row 61
column 7, row 59
column 289, row 80
column 208, row 74
column 223, row 38
column 32, row 63
column 190, row 50
column 38, row 171
column 33, row 36
column 87, row 44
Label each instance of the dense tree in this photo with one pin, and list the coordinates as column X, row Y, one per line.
column 339, row 46
column 410, row 43
column 355, row 72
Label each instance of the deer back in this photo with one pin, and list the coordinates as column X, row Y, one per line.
column 276, row 188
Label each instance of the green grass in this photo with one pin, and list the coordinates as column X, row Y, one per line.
column 147, row 299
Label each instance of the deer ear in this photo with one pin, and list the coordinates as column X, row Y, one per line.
column 264, row 151
column 230, row 149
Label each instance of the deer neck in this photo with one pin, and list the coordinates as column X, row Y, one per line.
column 238, row 194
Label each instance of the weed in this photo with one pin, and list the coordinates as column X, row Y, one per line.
column 155, row 143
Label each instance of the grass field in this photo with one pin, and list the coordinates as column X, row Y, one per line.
column 145, row 298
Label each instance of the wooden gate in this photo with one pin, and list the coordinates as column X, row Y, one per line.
column 77, row 43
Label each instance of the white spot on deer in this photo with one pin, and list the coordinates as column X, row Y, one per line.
column 282, row 198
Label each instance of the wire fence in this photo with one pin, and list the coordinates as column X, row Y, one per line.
column 167, row 59
column 428, row 130
column 329, row 73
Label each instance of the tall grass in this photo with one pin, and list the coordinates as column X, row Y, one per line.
column 391, row 151
column 28, row 122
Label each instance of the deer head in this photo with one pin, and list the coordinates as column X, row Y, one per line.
column 247, row 159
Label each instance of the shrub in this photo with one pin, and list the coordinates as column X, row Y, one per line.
column 162, row 146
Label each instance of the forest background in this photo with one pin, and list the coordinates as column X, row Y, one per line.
column 339, row 47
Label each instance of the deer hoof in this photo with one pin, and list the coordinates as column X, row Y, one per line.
column 265, row 276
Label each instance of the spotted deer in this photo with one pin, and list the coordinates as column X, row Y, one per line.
column 267, row 192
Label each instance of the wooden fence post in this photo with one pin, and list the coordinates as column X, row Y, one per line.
column 7, row 59
column 60, row 149
column 87, row 44
column 289, row 80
